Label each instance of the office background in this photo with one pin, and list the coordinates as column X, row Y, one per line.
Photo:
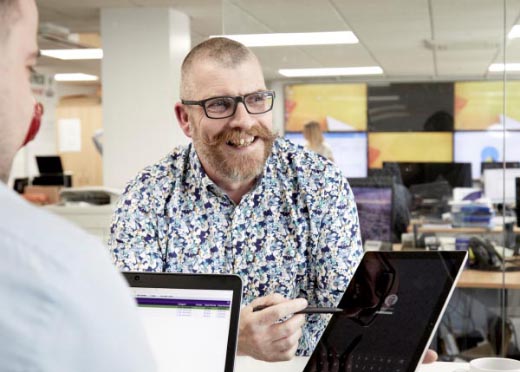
column 430, row 57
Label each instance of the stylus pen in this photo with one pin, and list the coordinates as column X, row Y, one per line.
column 310, row 310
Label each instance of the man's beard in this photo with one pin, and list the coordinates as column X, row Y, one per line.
column 234, row 167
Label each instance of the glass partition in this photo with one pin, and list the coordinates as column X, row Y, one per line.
column 422, row 85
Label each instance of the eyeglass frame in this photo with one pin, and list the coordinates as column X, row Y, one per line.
column 236, row 99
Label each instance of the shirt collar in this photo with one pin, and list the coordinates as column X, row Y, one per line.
column 198, row 171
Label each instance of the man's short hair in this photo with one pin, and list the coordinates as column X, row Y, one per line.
column 226, row 52
column 9, row 14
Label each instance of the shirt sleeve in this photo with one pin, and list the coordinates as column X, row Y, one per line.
column 135, row 241
column 335, row 257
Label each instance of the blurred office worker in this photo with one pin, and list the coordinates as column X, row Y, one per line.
column 240, row 200
column 315, row 141
column 64, row 307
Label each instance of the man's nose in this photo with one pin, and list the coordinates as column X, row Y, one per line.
column 242, row 119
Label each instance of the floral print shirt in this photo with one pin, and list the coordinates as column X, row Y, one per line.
column 296, row 232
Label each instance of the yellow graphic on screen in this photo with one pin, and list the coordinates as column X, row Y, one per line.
column 337, row 107
column 409, row 147
column 480, row 106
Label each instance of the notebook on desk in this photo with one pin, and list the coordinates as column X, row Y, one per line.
column 191, row 320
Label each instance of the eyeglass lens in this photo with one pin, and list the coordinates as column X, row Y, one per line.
column 256, row 103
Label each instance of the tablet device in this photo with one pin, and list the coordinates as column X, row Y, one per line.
column 391, row 309
column 191, row 320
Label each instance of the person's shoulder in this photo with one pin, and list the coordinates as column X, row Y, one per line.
column 38, row 231
column 161, row 175
column 51, row 265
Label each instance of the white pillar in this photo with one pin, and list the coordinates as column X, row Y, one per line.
column 278, row 107
column 143, row 51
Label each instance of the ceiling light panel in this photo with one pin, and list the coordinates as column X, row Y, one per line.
column 295, row 38
column 336, row 71
column 73, row 54
column 75, row 77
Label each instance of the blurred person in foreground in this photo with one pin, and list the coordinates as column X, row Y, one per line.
column 64, row 306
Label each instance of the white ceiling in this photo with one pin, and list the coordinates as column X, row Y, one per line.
column 409, row 39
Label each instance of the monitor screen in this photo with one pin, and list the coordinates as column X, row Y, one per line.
column 486, row 146
column 494, row 185
column 456, row 174
column 337, row 107
column 49, row 165
column 409, row 146
column 348, row 148
column 410, row 107
column 177, row 319
column 374, row 205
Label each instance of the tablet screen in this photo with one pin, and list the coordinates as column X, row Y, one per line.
column 391, row 309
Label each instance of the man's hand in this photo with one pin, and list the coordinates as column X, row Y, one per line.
column 261, row 333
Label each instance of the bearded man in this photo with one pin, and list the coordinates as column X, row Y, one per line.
column 240, row 200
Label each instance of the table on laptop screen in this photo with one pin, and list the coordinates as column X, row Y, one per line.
column 177, row 319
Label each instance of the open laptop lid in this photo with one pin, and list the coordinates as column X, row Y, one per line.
column 392, row 307
column 191, row 320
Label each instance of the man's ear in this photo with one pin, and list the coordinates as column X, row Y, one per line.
column 183, row 118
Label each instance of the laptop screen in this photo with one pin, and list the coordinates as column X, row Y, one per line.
column 188, row 329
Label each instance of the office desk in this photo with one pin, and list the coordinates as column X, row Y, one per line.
column 94, row 219
column 483, row 279
column 443, row 229
column 488, row 279
column 246, row 364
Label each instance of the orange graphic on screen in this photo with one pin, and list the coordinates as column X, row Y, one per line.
column 409, row 146
column 337, row 107
column 480, row 106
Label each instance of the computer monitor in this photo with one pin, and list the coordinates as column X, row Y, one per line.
column 49, row 165
column 479, row 147
column 500, row 185
column 349, row 150
column 374, row 200
column 456, row 174
column 498, row 165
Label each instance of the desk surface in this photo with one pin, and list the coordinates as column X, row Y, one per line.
column 484, row 279
column 489, row 279
column 447, row 229
column 246, row 364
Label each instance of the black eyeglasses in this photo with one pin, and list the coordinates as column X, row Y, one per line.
column 226, row 106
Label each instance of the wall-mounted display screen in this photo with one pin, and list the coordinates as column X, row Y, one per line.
column 349, row 150
column 337, row 107
column 486, row 146
column 417, row 173
column 480, row 105
column 411, row 146
column 410, row 107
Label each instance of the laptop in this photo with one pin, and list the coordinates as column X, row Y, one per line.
column 391, row 308
column 191, row 320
